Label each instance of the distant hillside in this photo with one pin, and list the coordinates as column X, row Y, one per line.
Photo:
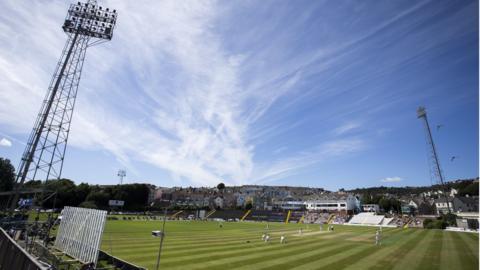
column 464, row 186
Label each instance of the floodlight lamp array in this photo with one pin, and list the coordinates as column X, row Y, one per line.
column 90, row 20
column 421, row 112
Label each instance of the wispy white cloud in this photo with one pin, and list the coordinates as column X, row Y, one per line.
column 391, row 179
column 181, row 88
column 5, row 142
column 191, row 128
column 281, row 168
column 347, row 127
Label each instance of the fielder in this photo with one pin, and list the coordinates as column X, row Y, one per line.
column 377, row 238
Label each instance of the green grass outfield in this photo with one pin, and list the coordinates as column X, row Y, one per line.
column 203, row 245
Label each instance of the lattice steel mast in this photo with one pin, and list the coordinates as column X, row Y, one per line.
column 121, row 174
column 433, row 156
column 86, row 24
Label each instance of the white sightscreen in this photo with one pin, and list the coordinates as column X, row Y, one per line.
column 80, row 233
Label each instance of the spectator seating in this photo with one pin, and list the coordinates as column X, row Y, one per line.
column 366, row 219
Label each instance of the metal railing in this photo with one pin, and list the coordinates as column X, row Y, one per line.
column 12, row 256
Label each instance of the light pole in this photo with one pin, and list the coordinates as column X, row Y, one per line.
column 160, row 234
column 86, row 24
column 434, row 160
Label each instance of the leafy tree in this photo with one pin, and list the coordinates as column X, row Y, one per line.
column 88, row 204
column 7, row 175
column 441, row 222
column 450, row 219
column 81, row 193
column 134, row 195
column 426, row 209
column 65, row 193
column 33, row 184
column 427, row 222
column 471, row 189
column 99, row 197
column 384, row 203
column 389, row 204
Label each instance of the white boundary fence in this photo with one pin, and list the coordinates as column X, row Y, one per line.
column 80, row 233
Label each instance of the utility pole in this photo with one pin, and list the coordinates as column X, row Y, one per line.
column 433, row 156
column 86, row 24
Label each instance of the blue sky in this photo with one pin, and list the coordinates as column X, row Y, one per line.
column 311, row 93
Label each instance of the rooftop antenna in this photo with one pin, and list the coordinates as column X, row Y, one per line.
column 121, row 174
column 85, row 25
column 433, row 156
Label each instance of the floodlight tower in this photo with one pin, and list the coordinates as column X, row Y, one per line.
column 121, row 174
column 86, row 24
column 433, row 156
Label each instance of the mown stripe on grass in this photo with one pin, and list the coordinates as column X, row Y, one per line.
column 206, row 238
column 448, row 255
column 292, row 258
column 399, row 253
column 325, row 248
column 471, row 243
column 186, row 249
column 211, row 248
column 181, row 246
column 267, row 259
column 431, row 251
column 203, row 245
column 263, row 253
column 465, row 254
column 363, row 251
column 175, row 247
column 206, row 257
column 287, row 262
column 261, row 248
column 388, row 244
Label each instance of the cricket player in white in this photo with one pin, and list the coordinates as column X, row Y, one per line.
column 377, row 238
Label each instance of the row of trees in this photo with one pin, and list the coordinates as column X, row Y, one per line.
column 92, row 196
column 386, row 203
column 7, row 175
column 67, row 193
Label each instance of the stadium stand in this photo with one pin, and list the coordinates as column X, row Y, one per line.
column 288, row 216
column 227, row 214
column 366, row 219
column 176, row 214
column 322, row 218
column 245, row 215
column 386, row 221
column 330, row 218
column 263, row 215
column 401, row 221
column 340, row 218
column 210, row 213
column 295, row 216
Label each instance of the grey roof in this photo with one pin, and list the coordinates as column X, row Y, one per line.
column 468, row 200
column 442, row 200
